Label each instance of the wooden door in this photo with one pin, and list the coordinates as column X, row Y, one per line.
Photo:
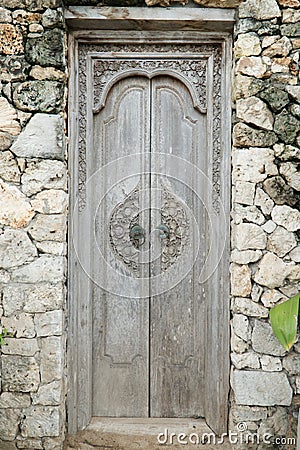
column 148, row 331
column 148, row 350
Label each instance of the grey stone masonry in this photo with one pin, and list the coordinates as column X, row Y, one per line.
column 265, row 258
column 33, row 218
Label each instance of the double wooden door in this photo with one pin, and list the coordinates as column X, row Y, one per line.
column 149, row 277
column 148, row 340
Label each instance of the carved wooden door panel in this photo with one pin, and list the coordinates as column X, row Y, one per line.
column 148, row 347
column 152, row 298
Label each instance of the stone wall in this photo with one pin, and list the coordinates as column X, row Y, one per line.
column 33, row 205
column 265, row 212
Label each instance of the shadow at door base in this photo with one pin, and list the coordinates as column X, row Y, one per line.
column 142, row 434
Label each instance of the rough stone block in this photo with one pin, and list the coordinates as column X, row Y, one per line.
column 52, row 201
column 264, row 341
column 42, row 138
column 272, row 271
column 44, row 174
column 287, row 217
column 248, row 236
column 240, row 280
column 49, row 323
column 9, row 423
column 8, row 118
column 253, row 388
column 14, row 400
column 51, row 359
column 259, row 9
column 47, row 50
column 16, row 249
column 44, row 269
column 41, row 421
column 21, row 346
column 15, row 210
column 248, row 307
column 42, row 96
column 11, row 39
column 48, row 394
column 9, row 170
column 46, row 227
column 254, row 111
column 245, row 136
column 20, row 374
column 253, row 165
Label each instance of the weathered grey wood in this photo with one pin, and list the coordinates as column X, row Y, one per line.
column 120, row 323
column 177, row 316
column 89, row 17
column 85, row 315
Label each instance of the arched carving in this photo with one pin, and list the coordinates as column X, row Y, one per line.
column 198, row 101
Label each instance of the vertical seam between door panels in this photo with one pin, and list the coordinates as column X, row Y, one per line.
column 149, row 252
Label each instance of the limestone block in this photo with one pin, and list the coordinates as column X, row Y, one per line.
column 52, row 18
column 245, row 86
column 286, row 126
column 281, row 47
column 20, row 324
column 11, row 39
column 275, row 97
column 270, row 363
column 9, row 170
column 294, row 92
column 240, row 324
column 238, row 345
column 43, row 269
column 16, row 211
column 256, row 292
column 272, row 271
column 47, row 50
column 20, row 374
column 42, row 96
column 269, row 226
column 248, row 236
column 32, row 444
column 245, row 256
column 248, row 307
column 290, row 29
column 271, row 296
column 14, row 400
column 44, row 174
column 52, row 201
column 13, row 68
column 247, row 213
column 279, row 191
column 281, row 242
column 47, row 73
column 9, row 423
column 295, row 254
column 49, row 323
column 43, row 297
column 259, row 9
column 240, row 280
column 21, row 346
column 252, row 66
column 287, row 217
column 254, row 111
column 263, row 201
column 244, row 360
column 51, row 359
column 264, row 341
column 244, row 193
column 291, row 363
column 41, row 421
column 253, row 388
column 5, row 15
column 253, row 164
column 291, row 173
column 289, row 3
column 42, row 138
column 52, row 248
column 247, row 45
column 245, row 136
column 8, row 118
column 281, row 65
column 16, row 249
column 46, row 227
column 5, row 141
column 48, row 394
column 247, row 413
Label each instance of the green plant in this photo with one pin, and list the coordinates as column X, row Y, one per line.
column 4, row 334
column 284, row 320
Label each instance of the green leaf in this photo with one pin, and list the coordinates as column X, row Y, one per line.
column 284, row 321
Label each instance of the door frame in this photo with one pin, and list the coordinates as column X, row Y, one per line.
column 95, row 25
